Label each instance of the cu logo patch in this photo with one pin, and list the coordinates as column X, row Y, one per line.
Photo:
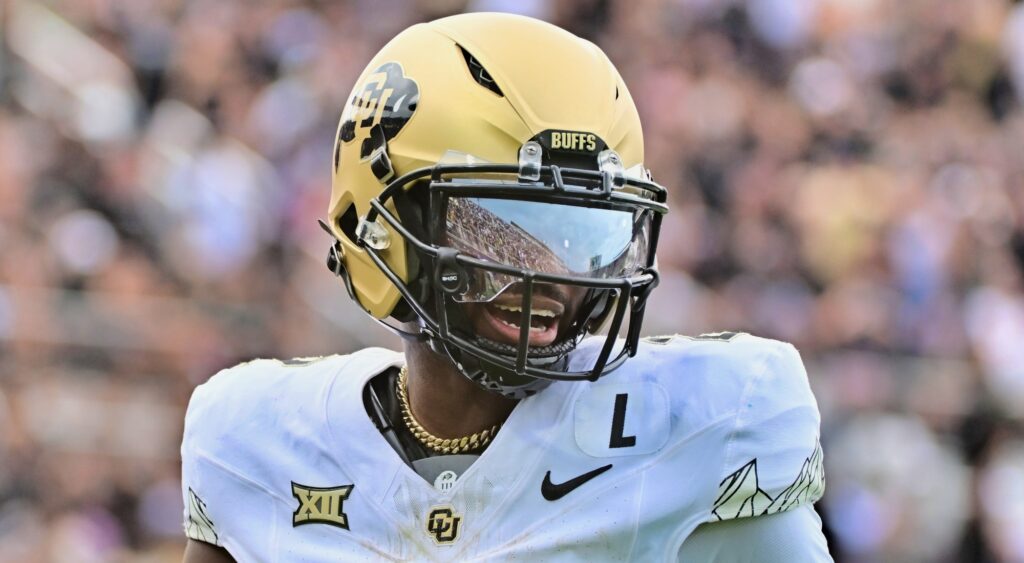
column 443, row 525
column 320, row 505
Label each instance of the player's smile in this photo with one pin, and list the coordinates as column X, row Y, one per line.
column 504, row 315
column 500, row 319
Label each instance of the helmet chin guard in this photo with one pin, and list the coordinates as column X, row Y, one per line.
column 516, row 370
column 493, row 377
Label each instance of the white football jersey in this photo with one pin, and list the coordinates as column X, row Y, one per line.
column 282, row 463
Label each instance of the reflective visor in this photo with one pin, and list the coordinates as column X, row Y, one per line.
column 544, row 237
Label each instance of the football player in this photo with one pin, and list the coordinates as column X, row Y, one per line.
column 490, row 203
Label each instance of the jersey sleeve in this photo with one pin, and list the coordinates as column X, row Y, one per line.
column 227, row 444
column 198, row 522
column 222, row 480
column 794, row 535
column 773, row 460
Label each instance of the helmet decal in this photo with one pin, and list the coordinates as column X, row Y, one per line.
column 387, row 98
column 571, row 141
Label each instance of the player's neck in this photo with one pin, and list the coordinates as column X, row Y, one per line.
column 445, row 402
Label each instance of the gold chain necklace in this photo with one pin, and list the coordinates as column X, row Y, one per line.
column 439, row 445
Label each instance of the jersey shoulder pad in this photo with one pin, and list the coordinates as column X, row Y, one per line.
column 773, row 460
column 753, row 394
column 742, row 423
column 248, row 427
column 709, row 376
column 238, row 403
column 243, row 412
column 221, row 445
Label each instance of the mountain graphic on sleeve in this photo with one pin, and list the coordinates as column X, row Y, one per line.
column 199, row 526
column 740, row 494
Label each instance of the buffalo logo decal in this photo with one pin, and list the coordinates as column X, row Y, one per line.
column 387, row 98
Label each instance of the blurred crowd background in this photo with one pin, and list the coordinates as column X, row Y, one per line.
column 845, row 174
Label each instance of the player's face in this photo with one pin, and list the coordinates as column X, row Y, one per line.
column 549, row 238
column 554, row 308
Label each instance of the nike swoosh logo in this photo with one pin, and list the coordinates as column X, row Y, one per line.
column 552, row 491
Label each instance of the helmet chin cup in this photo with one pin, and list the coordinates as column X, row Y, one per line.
column 493, row 377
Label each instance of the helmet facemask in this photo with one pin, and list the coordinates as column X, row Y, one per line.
column 564, row 249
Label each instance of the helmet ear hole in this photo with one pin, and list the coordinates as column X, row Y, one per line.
column 348, row 221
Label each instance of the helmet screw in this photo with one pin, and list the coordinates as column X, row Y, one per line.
column 529, row 161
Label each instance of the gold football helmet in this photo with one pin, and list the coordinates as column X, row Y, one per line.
column 494, row 163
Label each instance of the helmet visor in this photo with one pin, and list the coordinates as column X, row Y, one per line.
column 544, row 237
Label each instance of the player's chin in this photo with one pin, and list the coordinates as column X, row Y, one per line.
column 500, row 324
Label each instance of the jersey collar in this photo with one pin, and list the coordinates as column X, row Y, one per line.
column 386, row 481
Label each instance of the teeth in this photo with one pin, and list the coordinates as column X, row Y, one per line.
column 515, row 326
column 535, row 312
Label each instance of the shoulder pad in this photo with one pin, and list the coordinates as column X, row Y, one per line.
column 242, row 424
column 258, row 398
column 773, row 460
column 741, row 404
